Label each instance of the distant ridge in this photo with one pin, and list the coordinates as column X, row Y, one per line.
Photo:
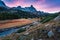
column 27, row 9
column 31, row 9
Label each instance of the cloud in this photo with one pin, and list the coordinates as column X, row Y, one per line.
column 52, row 3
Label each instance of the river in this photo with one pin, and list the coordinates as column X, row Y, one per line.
column 9, row 26
column 8, row 32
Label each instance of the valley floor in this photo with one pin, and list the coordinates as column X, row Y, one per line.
column 15, row 22
column 38, row 31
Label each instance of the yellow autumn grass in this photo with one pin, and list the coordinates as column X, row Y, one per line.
column 14, row 23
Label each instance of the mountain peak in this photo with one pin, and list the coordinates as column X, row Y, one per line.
column 31, row 5
column 30, row 9
column 19, row 7
column 2, row 4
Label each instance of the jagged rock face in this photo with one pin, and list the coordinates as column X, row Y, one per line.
column 2, row 4
column 3, row 7
column 28, row 9
column 57, row 18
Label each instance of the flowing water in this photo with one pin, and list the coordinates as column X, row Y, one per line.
column 7, row 32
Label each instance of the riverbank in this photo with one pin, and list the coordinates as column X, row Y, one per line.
column 10, row 26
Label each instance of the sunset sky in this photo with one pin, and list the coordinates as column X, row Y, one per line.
column 42, row 5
